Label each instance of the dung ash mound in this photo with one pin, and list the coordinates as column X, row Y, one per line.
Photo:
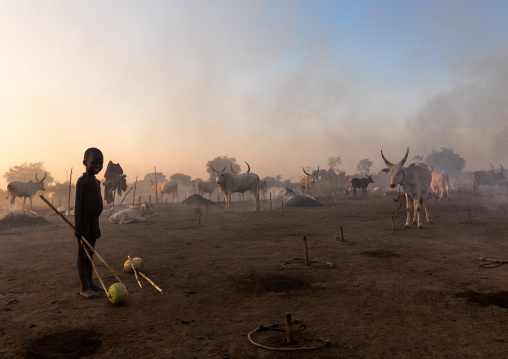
column 197, row 200
column 21, row 218
column 302, row 201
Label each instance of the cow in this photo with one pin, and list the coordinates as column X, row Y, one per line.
column 440, row 184
column 231, row 183
column 263, row 187
column 487, row 177
column 307, row 181
column 170, row 187
column 25, row 189
column 361, row 183
column 51, row 197
column 415, row 181
column 206, row 187
column 131, row 215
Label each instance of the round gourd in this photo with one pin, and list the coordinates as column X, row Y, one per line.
column 117, row 293
column 136, row 262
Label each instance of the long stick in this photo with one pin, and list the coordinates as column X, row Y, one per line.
column 70, row 184
column 125, row 196
column 152, row 283
column 135, row 272
column 134, row 195
column 82, row 238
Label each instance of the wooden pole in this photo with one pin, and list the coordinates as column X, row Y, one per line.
column 150, row 212
column 139, row 200
column 341, row 234
column 281, row 204
column 69, row 201
column 134, row 195
column 306, row 251
column 271, row 208
column 156, row 197
column 289, row 336
column 124, row 197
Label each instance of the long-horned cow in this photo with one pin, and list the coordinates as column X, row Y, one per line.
column 206, row 187
column 487, row 177
column 440, row 184
column 231, row 183
column 307, row 180
column 415, row 181
column 171, row 188
column 25, row 189
column 361, row 183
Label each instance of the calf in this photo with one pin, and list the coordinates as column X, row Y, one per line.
column 131, row 215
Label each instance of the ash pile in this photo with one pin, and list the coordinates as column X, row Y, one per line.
column 302, row 201
column 20, row 218
column 197, row 200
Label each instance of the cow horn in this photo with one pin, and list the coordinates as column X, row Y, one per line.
column 316, row 171
column 248, row 170
column 388, row 163
column 405, row 158
column 213, row 169
column 43, row 178
column 305, row 172
column 501, row 168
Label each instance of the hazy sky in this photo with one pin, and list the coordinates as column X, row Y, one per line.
column 279, row 84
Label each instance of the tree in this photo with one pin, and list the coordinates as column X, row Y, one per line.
column 446, row 160
column 334, row 162
column 150, row 177
column 218, row 163
column 27, row 172
column 181, row 179
column 364, row 166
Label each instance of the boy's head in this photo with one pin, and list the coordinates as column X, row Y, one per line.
column 93, row 160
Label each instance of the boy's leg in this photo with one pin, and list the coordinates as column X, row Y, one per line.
column 89, row 268
column 84, row 270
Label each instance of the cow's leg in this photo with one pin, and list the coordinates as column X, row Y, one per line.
column 31, row 204
column 408, row 211
column 425, row 206
column 12, row 200
column 24, row 201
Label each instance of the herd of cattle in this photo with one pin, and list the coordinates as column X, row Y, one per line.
column 415, row 181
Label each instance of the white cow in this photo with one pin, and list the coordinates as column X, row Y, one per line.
column 25, row 189
column 131, row 215
column 307, row 181
column 206, row 187
column 230, row 183
column 415, row 181
column 440, row 184
column 171, row 188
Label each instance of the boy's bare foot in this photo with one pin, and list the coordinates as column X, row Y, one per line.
column 88, row 293
column 96, row 287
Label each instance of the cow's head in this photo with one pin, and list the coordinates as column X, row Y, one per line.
column 311, row 176
column 218, row 176
column 499, row 174
column 146, row 208
column 40, row 184
column 396, row 171
column 369, row 179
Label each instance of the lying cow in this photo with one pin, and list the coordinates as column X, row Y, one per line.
column 132, row 215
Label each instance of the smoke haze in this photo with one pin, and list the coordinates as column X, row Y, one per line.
column 280, row 85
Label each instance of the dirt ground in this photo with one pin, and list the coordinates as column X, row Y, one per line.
column 403, row 293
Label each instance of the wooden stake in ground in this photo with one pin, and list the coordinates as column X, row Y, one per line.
column 281, row 204
column 150, row 202
column 69, row 202
column 156, row 197
column 306, row 251
column 124, row 197
column 289, row 336
column 271, row 208
column 134, row 195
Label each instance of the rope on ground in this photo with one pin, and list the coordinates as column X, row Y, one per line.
column 300, row 263
column 278, row 327
column 492, row 263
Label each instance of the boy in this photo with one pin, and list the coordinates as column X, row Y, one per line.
column 88, row 207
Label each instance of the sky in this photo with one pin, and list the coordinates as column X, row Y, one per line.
column 278, row 84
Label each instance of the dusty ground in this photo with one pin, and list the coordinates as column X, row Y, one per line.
column 391, row 294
